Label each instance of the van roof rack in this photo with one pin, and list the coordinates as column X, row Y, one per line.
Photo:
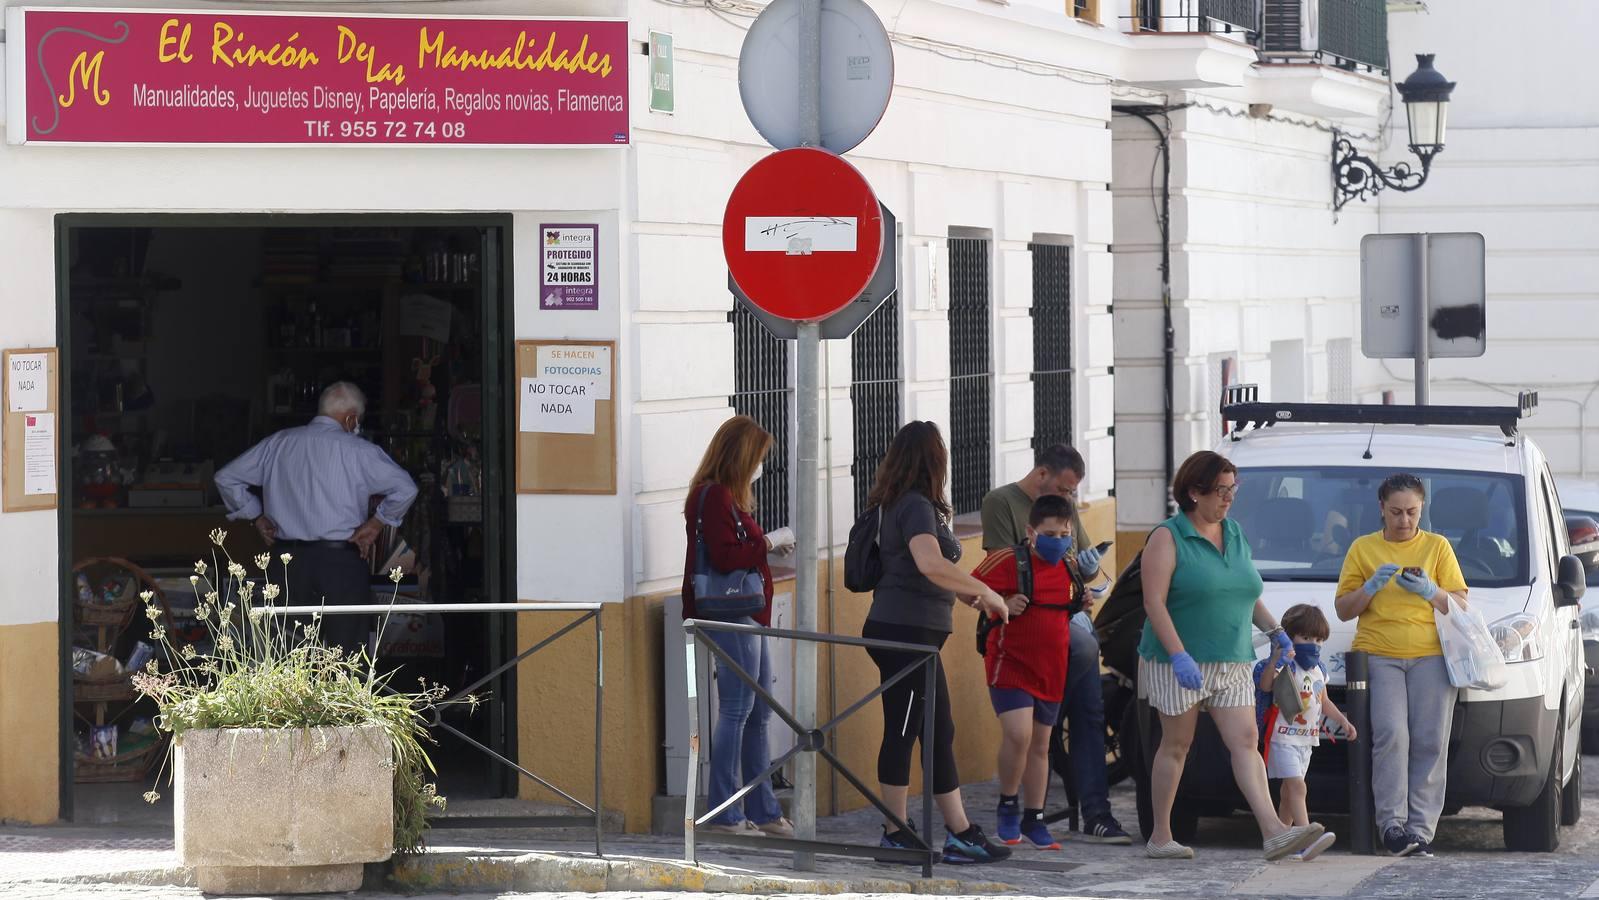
column 1241, row 408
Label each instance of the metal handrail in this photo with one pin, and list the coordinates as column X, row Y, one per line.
column 590, row 611
column 809, row 741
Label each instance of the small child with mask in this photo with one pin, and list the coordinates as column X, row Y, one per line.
column 1291, row 739
column 1025, row 661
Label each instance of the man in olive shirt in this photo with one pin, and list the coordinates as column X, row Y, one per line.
column 1059, row 470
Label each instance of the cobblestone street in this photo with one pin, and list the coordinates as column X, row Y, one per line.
column 1471, row 863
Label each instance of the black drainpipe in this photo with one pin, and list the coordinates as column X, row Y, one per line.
column 1168, row 342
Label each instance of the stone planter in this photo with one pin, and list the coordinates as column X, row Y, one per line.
column 264, row 811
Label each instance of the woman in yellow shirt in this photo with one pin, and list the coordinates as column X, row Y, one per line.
column 1392, row 581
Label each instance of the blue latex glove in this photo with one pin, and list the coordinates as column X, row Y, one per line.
column 1088, row 563
column 1377, row 582
column 1187, row 672
column 1285, row 647
column 1420, row 585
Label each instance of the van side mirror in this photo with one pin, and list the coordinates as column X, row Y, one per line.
column 1571, row 583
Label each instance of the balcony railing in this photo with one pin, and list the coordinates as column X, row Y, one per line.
column 1237, row 17
column 1350, row 34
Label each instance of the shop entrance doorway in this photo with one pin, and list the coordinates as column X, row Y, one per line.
column 187, row 339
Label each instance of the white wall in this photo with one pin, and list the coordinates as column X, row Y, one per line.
column 1521, row 166
column 963, row 145
column 1259, row 270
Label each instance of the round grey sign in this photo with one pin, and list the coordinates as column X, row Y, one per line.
column 857, row 73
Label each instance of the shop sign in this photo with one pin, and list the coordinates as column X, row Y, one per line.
column 568, row 267
column 662, row 99
column 270, row 79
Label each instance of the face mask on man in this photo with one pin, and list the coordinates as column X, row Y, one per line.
column 1052, row 549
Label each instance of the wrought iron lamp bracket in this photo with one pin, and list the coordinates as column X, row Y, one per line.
column 1359, row 177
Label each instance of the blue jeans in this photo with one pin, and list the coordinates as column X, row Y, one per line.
column 738, row 743
column 1085, row 713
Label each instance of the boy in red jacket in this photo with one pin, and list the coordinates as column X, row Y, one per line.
column 1026, row 663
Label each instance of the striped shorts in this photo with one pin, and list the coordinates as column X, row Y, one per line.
column 1226, row 684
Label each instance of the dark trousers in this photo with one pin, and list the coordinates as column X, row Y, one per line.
column 328, row 576
column 904, row 706
column 1084, row 711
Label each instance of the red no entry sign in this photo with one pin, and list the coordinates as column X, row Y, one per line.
column 802, row 234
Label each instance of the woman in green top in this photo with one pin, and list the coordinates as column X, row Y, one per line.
column 1201, row 592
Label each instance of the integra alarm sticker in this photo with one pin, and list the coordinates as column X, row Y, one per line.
column 569, row 267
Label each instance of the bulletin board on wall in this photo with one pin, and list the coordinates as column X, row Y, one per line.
column 565, row 417
column 30, row 439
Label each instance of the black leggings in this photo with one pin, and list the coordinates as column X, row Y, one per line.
column 903, row 705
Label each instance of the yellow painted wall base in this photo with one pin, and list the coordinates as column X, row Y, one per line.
column 30, row 733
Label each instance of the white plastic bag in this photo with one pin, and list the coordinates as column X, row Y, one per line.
column 1470, row 651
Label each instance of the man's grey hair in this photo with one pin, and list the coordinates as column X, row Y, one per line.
column 340, row 399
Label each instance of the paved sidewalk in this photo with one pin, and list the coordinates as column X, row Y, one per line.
column 72, row 861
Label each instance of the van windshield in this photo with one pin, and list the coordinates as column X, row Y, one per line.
column 1300, row 521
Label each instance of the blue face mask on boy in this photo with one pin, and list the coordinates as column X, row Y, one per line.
column 1052, row 549
column 1307, row 656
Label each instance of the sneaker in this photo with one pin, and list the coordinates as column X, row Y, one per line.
column 1317, row 847
column 1009, row 823
column 1291, row 841
column 972, row 846
column 1423, row 848
column 1037, row 834
column 742, row 826
column 1399, row 842
column 1105, row 830
column 898, row 840
column 779, row 827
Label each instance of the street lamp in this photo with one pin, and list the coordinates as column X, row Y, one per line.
column 1426, row 97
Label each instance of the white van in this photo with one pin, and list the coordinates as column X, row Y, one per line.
column 1308, row 477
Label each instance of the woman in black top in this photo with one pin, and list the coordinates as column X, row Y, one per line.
column 913, row 604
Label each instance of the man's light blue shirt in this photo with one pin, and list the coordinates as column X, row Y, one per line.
column 316, row 482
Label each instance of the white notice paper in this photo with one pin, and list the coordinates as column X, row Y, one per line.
column 39, row 454
column 27, row 382
column 424, row 316
column 580, row 364
column 556, row 407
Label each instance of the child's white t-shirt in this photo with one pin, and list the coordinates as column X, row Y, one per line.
column 1304, row 729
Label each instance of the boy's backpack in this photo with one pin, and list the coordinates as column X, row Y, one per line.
column 1024, row 586
column 863, row 556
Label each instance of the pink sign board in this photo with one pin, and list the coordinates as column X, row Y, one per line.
column 251, row 78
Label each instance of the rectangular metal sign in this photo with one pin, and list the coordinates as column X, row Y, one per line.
column 1391, row 277
column 198, row 77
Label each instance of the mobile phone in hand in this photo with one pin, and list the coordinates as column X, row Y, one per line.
column 1414, row 571
column 1102, row 547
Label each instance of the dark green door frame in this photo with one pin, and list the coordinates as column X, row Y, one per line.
column 499, row 507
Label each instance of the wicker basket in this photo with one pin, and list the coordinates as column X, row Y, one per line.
column 112, row 615
column 110, row 690
column 130, row 766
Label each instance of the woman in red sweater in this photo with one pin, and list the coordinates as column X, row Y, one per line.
column 733, row 540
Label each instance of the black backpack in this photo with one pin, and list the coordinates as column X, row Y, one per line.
column 863, row 557
column 1024, row 586
column 1119, row 624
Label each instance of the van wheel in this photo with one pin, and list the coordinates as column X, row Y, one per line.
column 1571, row 796
column 1536, row 828
column 1184, row 818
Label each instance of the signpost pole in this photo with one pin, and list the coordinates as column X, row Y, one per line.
column 1423, row 326
column 806, row 473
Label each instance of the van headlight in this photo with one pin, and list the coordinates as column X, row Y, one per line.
column 1590, row 625
column 1517, row 637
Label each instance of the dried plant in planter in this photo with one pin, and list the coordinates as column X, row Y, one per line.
column 262, row 671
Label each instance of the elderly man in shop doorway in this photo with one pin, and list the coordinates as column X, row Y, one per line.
column 1058, row 470
column 316, row 483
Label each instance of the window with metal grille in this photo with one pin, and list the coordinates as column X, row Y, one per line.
column 1052, row 345
column 970, row 386
column 874, row 394
column 763, row 392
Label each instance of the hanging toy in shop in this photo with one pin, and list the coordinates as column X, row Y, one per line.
column 426, row 394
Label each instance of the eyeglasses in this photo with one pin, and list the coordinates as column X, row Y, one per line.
column 1225, row 491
